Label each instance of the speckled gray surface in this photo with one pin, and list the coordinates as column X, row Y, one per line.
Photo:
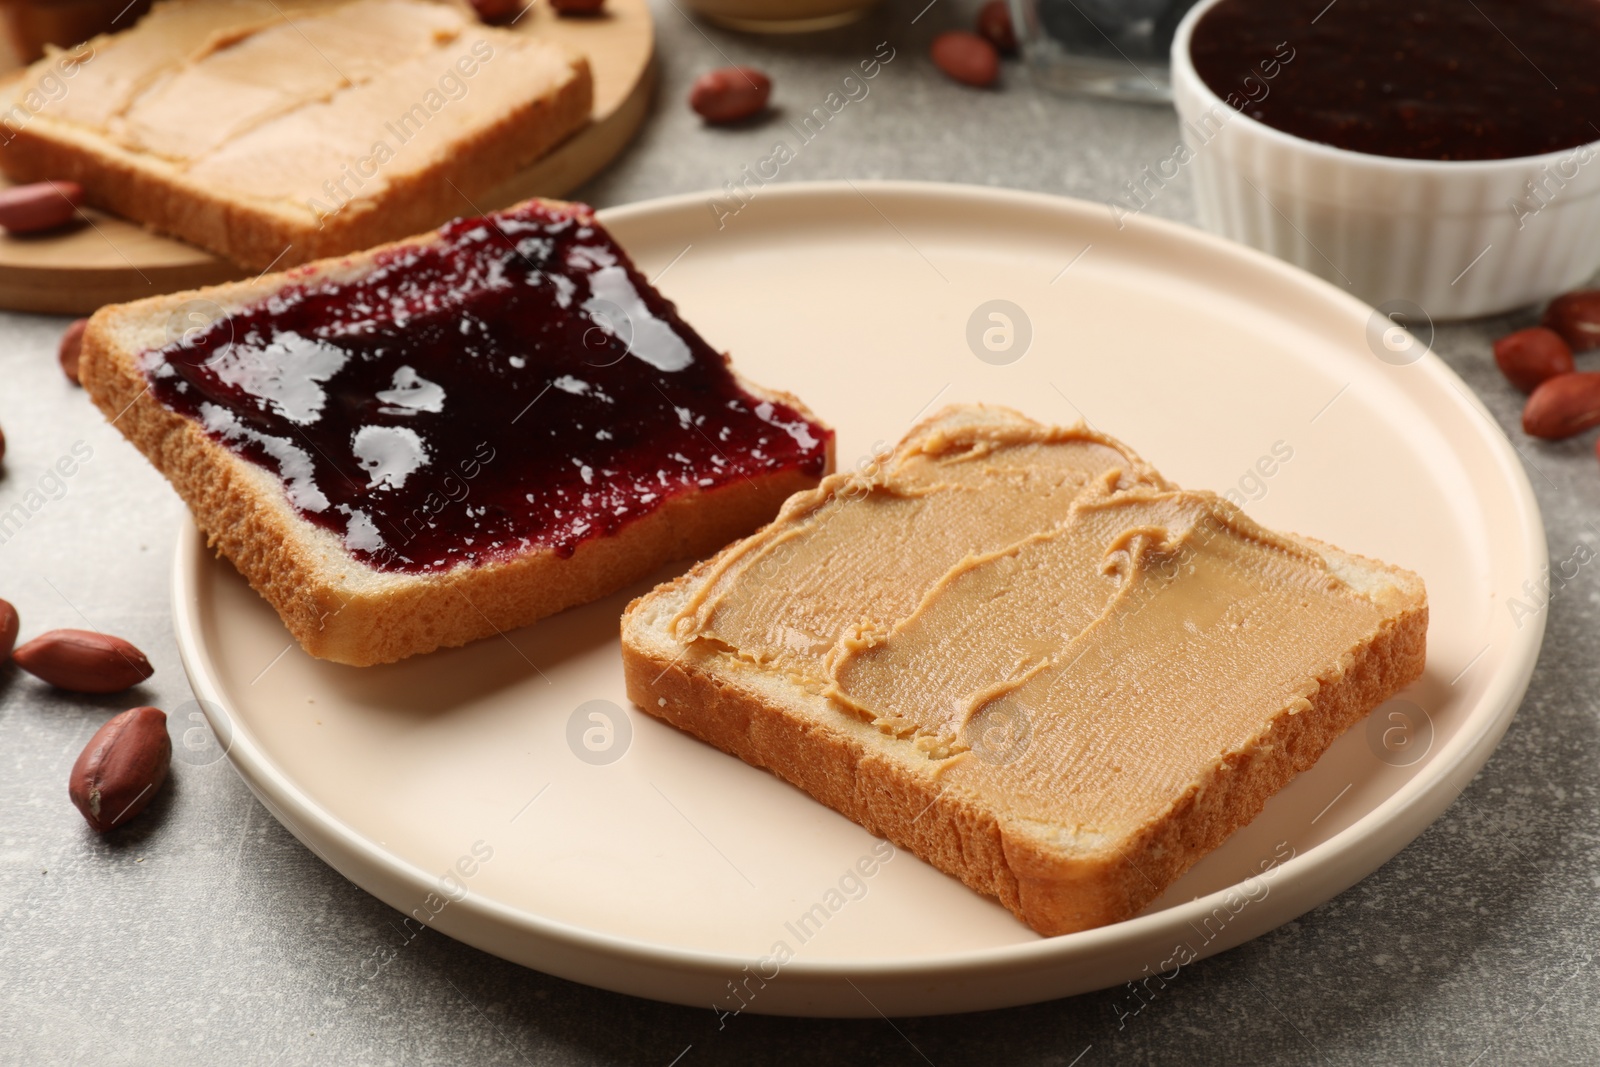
column 204, row 933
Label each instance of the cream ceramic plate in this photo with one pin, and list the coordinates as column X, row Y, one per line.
column 673, row 870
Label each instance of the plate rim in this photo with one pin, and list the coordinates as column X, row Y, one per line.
column 1394, row 822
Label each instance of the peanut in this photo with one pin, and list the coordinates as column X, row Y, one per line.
column 39, row 206
column 71, row 349
column 966, row 57
column 84, row 661
column 496, row 10
column 994, row 26
column 1529, row 356
column 1563, row 405
column 730, row 94
column 9, row 625
column 121, row 768
column 1576, row 317
column 578, row 7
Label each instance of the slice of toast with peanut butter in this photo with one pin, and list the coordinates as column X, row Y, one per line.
column 277, row 132
column 1022, row 654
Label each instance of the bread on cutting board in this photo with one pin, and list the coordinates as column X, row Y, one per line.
column 276, row 132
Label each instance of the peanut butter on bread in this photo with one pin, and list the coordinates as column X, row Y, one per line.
column 283, row 131
column 1020, row 652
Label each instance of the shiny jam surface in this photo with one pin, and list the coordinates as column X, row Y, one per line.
column 1418, row 79
column 515, row 385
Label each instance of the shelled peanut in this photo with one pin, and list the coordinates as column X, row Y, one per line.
column 125, row 763
column 1562, row 400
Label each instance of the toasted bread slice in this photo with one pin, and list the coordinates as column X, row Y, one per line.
column 344, row 603
column 1069, row 753
column 274, row 132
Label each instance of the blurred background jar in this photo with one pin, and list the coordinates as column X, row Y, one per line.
column 780, row 16
column 1111, row 48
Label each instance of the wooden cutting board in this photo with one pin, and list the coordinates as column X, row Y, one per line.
column 107, row 260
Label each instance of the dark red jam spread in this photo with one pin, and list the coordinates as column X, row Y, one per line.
column 515, row 385
column 1418, row 79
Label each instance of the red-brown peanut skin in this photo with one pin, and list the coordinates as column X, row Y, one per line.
column 83, row 661
column 1563, row 405
column 966, row 57
column 994, row 25
column 578, row 7
column 1529, row 356
column 9, row 625
column 71, row 349
column 497, row 10
column 122, row 768
column 1576, row 317
column 39, row 206
column 729, row 94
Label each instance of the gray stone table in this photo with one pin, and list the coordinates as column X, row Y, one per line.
column 204, row 933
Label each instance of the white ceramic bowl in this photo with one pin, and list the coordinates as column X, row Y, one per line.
column 1454, row 240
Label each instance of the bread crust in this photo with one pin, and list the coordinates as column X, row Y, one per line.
column 894, row 793
column 259, row 234
column 338, row 608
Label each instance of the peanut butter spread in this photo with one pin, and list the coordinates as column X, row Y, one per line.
column 1041, row 614
column 305, row 102
column 237, row 82
column 103, row 85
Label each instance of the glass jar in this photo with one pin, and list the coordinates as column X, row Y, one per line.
column 1112, row 48
column 780, row 16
